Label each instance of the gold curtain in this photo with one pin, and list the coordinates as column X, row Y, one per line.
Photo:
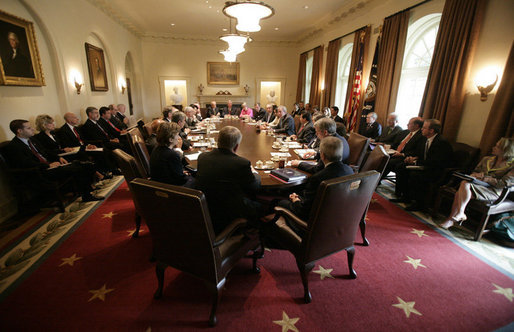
column 500, row 122
column 356, row 52
column 331, row 72
column 301, row 77
column 317, row 63
column 453, row 55
column 390, row 58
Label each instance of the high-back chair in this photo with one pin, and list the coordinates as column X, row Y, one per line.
column 140, row 151
column 358, row 146
column 130, row 171
column 377, row 161
column 332, row 225
column 183, row 236
column 142, row 129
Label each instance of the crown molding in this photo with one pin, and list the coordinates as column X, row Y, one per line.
column 104, row 6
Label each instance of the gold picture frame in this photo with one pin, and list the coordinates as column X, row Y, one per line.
column 96, row 67
column 20, row 63
column 223, row 73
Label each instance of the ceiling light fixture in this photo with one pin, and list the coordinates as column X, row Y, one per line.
column 236, row 43
column 248, row 14
column 229, row 55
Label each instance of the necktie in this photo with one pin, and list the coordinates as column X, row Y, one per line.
column 37, row 154
column 103, row 131
column 113, row 126
column 427, row 146
column 404, row 142
column 77, row 135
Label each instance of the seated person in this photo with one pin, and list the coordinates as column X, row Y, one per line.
column 165, row 162
column 179, row 118
column 286, row 122
column 246, row 112
column 105, row 122
column 95, row 134
column 191, row 119
column 114, row 119
column 373, row 129
column 324, row 127
column 166, row 114
column 269, row 116
column 227, row 179
column 231, row 110
column 23, row 152
column 334, row 114
column 433, row 157
column 258, row 112
column 331, row 152
column 306, row 132
column 213, row 111
column 497, row 170
column 151, row 141
column 198, row 113
column 46, row 138
column 120, row 115
column 389, row 133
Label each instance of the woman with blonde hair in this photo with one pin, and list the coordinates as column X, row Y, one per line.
column 496, row 170
column 45, row 124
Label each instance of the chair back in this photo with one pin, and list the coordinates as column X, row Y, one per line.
column 142, row 129
column 140, row 151
column 376, row 161
column 358, row 146
column 464, row 157
column 180, row 227
column 297, row 123
column 336, row 213
column 128, row 165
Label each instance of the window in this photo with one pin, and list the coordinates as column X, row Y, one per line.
column 308, row 76
column 419, row 49
column 343, row 72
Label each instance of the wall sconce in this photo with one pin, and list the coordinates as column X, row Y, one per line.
column 122, row 84
column 123, row 88
column 485, row 82
column 78, row 86
column 77, row 80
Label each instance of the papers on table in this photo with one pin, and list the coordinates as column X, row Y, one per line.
column 390, row 151
column 193, row 156
column 251, row 123
column 95, row 150
column 302, row 152
column 280, row 154
column 214, row 131
column 292, row 145
column 201, row 144
column 75, row 150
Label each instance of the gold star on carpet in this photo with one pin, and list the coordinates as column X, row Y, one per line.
column 70, row 260
column 418, row 232
column 415, row 262
column 324, row 272
column 373, row 200
column 127, row 189
column 287, row 323
column 100, row 293
column 407, row 307
column 109, row 215
column 507, row 292
column 132, row 231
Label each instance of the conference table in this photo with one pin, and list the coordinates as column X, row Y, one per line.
column 255, row 145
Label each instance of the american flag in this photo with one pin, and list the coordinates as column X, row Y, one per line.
column 354, row 102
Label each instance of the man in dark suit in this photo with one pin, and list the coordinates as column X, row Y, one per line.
column 114, row 118
column 432, row 158
column 389, row 133
column 331, row 152
column 107, row 125
column 269, row 116
column 334, row 112
column 286, row 123
column 258, row 112
column 227, row 179
column 324, row 127
column 23, row 152
column 373, row 129
column 180, row 119
column 120, row 115
column 231, row 110
column 407, row 143
column 212, row 110
column 306, row 132
column 93, row 133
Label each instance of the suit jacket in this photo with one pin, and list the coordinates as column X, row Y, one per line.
column 215, row 111
column 19, row 155
column 232, row 111
column 186, row 144
column 113, row 133
column 313, row 168
column 259, row 114
column 302, row 208
column 306, row 134
column 66, row 137
column 166, row 166
column 268, row 117
column 285, row 125
column 413, row 146
column 388, row 135
column 117, row 123
column 338, row 119
column 225, row 178
column 50, row 146
column 120, row 117
column 191, row 122
column 92, row 132
column 372, row 131
column 438, row 156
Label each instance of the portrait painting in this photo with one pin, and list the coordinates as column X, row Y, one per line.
column 223, row 73
column 20, row 63
column 96, row 66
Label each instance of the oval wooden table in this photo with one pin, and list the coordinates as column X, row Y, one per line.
column 254, row 146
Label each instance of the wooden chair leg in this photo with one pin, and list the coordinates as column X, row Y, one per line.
column 159, row 271
column 351, row 253
column 138, row 225
column 362, row 226
column 304, row 272
column 215, row 301
column 481, row 227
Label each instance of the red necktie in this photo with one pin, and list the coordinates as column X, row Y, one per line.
column 78, row 136
column 36, row 153
column 113, row 126
column 404, row 142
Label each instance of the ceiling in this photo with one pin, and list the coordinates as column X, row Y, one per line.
column 204, row 19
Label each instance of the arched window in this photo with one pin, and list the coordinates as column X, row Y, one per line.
column 308, row 75
column 419, row 49
column 343, row 72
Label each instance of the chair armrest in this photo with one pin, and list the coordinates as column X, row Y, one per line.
column 292, row 217
column 229, row 230
column 504, row 194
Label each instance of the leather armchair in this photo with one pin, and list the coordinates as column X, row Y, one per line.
column 332, row 225
column 358, row 147
column 139, row 151
column 185, row 239
column 377, row 161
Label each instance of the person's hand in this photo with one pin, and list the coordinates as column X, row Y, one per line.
column 309, row 155
column 187, row 130
column 68, row 149
column 54, row 164
column 91, row 147
column 123, row 132
column 294, row 197
column 398, row 154
column 295, row 163
column 410, row 160
column 63, row 161
column 478, row 176
column 179, row 143
column 293, row 137
column 115, row 140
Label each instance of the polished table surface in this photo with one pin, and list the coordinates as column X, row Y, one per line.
column 254, row 146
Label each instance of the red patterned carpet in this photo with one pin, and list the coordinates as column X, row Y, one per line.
column 409, row 278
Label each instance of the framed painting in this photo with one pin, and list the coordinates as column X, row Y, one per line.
column 20, row 63
column 96, row 67
column 223, row 73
